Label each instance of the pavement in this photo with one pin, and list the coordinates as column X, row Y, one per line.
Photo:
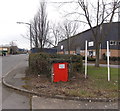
column 13, row 99
column 104, row 65
column 14, row 80
column 0, row 83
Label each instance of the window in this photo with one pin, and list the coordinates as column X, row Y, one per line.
column 118, row 42
column 113, row 42
column 91, row 53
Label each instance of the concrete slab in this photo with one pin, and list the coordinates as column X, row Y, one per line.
column 50, row 103
column 18, row 102
column 0, row 96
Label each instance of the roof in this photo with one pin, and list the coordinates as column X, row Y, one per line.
column 5, row 46
column 88, row 30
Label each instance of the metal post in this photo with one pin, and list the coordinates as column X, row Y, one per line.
column 108, row 64
column 30, row 38
column 100, row 54
column 85, row 58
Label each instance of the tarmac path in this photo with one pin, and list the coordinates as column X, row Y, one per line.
column 12, row 99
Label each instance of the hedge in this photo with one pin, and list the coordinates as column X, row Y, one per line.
column 89, row 58
column 112, row 58
column 41, row 63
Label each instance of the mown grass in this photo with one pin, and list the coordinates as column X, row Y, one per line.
column 97, row 84
column 99, row 77
column 100, row 83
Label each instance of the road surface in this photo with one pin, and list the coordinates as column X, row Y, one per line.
column 12, row 99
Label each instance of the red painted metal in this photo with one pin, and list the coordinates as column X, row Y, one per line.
column 60, row 71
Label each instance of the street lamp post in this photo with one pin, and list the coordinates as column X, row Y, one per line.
column 30, row 32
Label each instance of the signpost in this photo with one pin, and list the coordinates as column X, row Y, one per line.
column 108, row 64
column 108, row 58
column 85, row 58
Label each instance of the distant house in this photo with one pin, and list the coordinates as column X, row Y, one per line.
column 4, row 50
column 77, row 42
column 13, row 49
column 7, row 49
column 22, row 51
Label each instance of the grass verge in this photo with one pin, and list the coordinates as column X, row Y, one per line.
column 95, row 86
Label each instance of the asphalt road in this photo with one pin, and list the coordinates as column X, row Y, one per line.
column 0, row 82
column 10, row 98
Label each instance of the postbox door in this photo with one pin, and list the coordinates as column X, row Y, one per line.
column 60, row 71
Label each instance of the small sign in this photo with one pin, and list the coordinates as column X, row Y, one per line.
column 94, row 53
column 91, row 43
column 4, row 49
column 61, row 47
column 61, row 66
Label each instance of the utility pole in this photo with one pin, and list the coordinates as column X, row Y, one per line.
column 30, row 38
column 30, row 32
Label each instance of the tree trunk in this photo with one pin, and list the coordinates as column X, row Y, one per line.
column 68, row 44
column 36, row 42
column 41, row 45
column 68, row 47
column 97, row 55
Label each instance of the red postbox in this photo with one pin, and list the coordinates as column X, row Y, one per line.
column 60, row 72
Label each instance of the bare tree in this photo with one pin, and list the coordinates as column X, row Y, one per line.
column 40, row 27
column 35, row 32
column 104, row 13
column 55, row 33
column 43, row 24
column 67, row 30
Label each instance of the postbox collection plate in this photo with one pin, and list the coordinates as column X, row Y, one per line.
column 61, row 66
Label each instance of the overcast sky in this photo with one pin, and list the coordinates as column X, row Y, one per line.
column 12, row 11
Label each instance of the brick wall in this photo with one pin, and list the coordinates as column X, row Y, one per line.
column 113, row 53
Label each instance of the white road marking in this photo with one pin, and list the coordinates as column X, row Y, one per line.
column 11, row 70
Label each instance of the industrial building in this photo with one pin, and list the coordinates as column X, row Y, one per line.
column 77, row 42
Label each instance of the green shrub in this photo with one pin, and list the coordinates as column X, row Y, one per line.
column 115, row 58
column 89, row 58
column 77, row 67
column 112, row 58
column 40, row 63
